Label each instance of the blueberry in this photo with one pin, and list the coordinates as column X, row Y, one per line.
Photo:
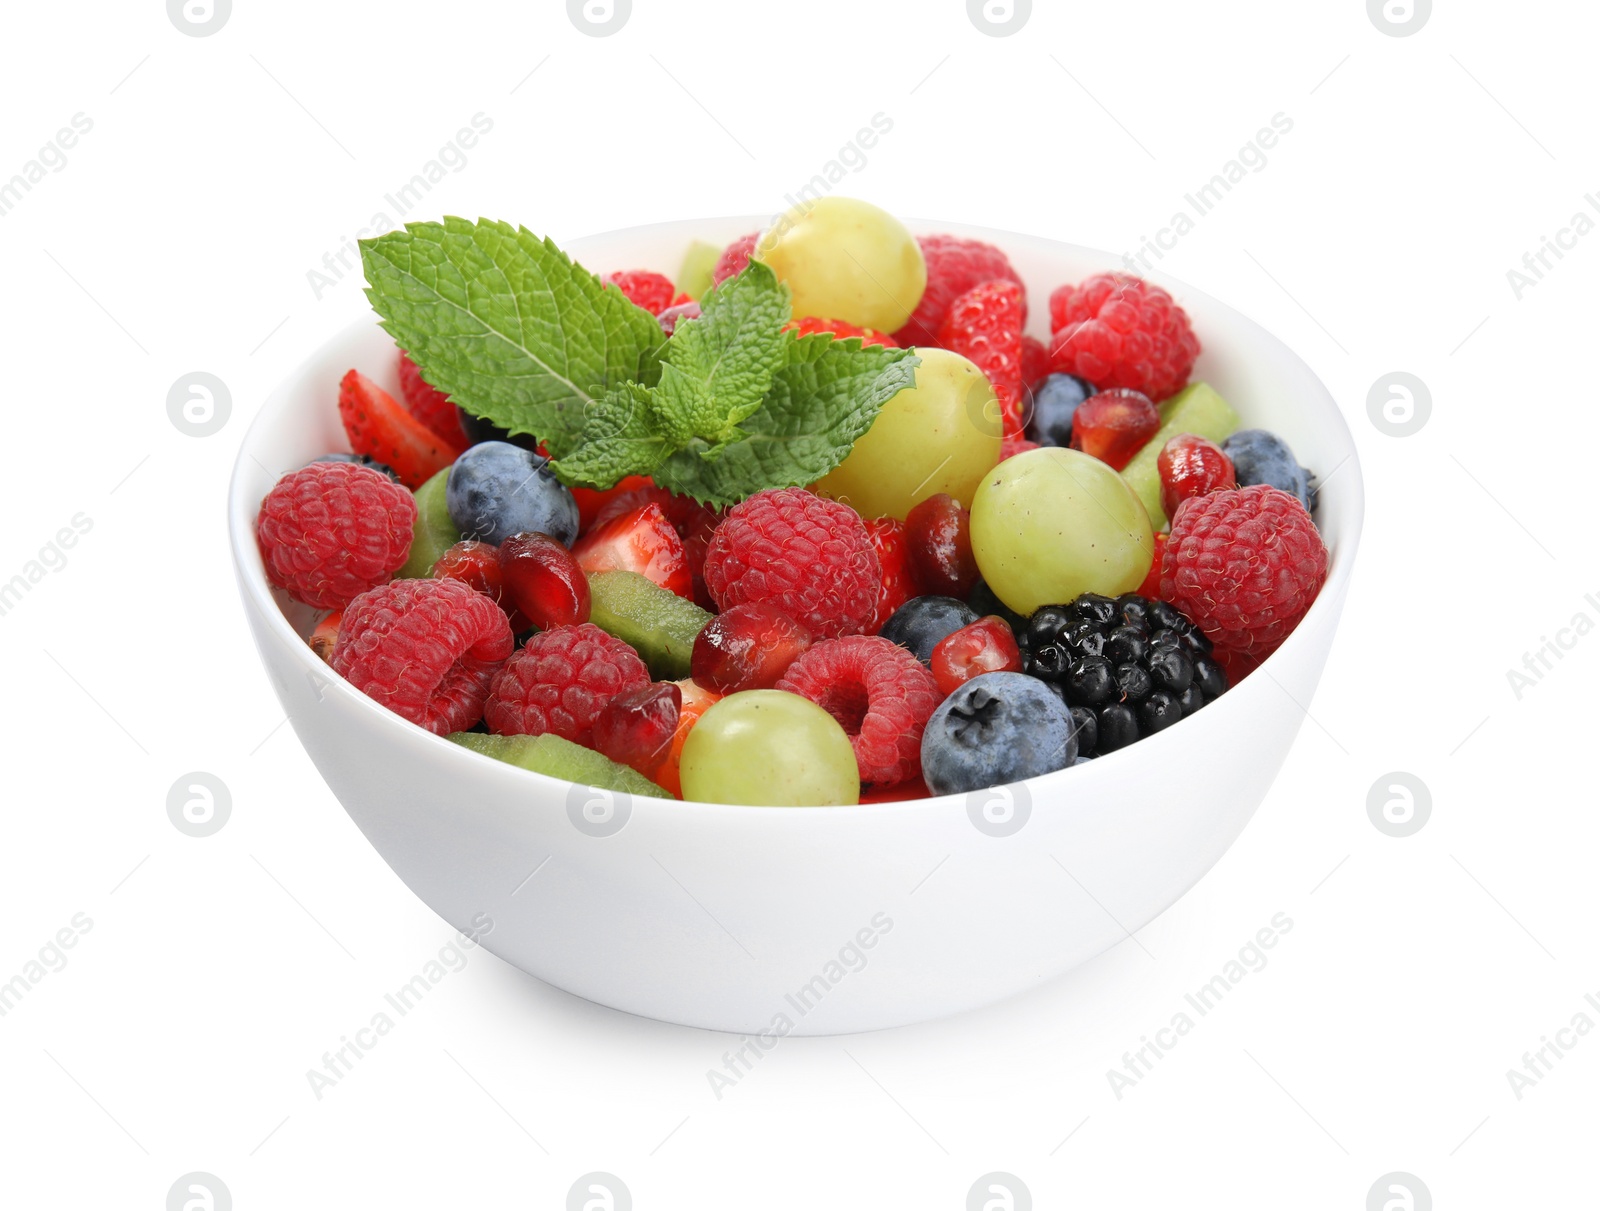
column 1260, row 457
column 923, row 621
column 360, row 460
column 1055, row 401
column 496, row 490
column 995, row 729
column 479, row 430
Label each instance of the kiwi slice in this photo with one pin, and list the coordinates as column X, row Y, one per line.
column 694, row 277
column 560, row 759
column 435, row 533
column 1197, row 409
column 655, row 622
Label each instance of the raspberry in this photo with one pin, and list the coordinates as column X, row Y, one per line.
column 1015, row 444
column 1119, row 331
column 984, row 325
column 426, row 649
column 888, row 536
column 810, row 557
column 955, row 266
column 881, row 695
column 560, row 682
column 1035, row 363
column 734, row 257
column 646, row 288
column 1245, row 564
column 330, row 531
column 810, row 325
column 430, row 406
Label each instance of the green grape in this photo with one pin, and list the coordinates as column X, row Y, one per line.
column 769, row 748
column 846, row 260
column 1052, row 523
column 940, row 435
column 434, row 532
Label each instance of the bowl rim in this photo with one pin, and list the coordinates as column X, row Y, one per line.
column 257, row 594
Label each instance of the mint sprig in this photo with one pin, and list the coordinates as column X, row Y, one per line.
column 508, row 325
column 824, row 397
column 518, row 333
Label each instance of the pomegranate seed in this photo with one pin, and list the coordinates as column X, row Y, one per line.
column 1192, row 466
column 637, row 726
column 938, row 533
column 1114, row 424
column 747, row 647
column 544, row 580
column 985, row 646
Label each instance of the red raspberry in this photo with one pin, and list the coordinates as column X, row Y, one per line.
column 432, row 407
column 955, row 266
column 1119, row 331
column 426, row 649
column 1010, row 447
column 734, row 257
column 881, row 695
column 810, row 325
column 1244, row 564
column 1035, row 362
column 1151, row 586
column 984, row 325
column 888, row 536
column 810, row 557
column 331, row 531
column 646, row 288
column 560, row 681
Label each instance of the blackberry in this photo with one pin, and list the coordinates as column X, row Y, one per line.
column 1126, row 666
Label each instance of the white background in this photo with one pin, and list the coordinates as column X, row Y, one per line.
column 178, row 237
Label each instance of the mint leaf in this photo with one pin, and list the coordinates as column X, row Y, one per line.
column 508, row 325
column 621, row 437
column 716, row 369
column 824, row 397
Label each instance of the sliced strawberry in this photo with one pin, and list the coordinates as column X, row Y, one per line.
column 377, row 425
column 592, row 500
column 430, row 406
column 984, row 325
column 692, row 520
column 810, row 325
column 641, row 541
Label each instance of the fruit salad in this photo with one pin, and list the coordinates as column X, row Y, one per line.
column 819, row 522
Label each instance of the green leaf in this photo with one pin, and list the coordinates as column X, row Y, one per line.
column 508, row 325
column 621, row 437
column 825, row 396
column 716, row 369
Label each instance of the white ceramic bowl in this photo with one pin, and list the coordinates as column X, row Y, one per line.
column 806, row 920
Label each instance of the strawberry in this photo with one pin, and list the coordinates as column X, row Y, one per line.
column 646, row 288
column 641, row 541
column 432, row 407
column 592, row 500
column 378, row 426
column 810, row 325
column 984, row 325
